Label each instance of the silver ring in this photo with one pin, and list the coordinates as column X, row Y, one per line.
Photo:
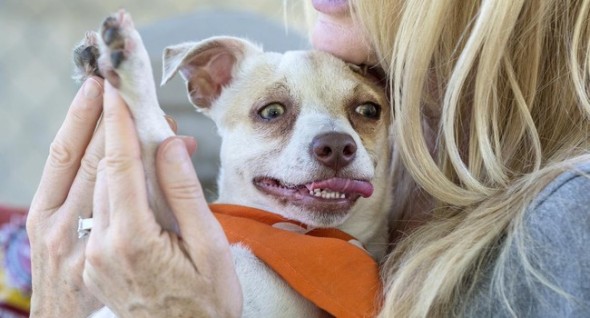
column 84, row 226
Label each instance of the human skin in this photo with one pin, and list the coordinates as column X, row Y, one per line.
column 71, row 276
column 190, row 274
column 336, row 32
column 64, row 193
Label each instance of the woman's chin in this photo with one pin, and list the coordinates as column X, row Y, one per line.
column 343, row 40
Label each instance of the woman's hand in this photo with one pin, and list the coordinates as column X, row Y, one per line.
column 64, row 194
column 132, row 265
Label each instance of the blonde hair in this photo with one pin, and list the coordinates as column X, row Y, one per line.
column 509, row 80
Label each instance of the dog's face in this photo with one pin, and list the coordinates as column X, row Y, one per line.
column 304, row 134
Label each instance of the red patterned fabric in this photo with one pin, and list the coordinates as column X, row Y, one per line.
column 15, row 264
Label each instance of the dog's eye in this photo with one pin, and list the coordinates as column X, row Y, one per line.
column 369, row 110
column 272, row 111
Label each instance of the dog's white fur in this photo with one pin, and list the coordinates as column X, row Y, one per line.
column 228, row 77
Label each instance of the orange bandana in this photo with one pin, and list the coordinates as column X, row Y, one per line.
column 323, row 265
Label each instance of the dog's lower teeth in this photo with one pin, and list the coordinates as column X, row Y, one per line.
column 327, row 194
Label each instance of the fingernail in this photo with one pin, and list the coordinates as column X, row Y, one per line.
column 92, row 88
column 190, row 143
column 171, row 122
column 175, row 151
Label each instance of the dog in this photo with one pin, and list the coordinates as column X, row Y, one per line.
column 305, row 136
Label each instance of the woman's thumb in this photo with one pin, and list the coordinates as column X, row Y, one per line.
column 183, row 191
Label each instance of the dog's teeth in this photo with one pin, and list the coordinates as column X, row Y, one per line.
column 327, row 194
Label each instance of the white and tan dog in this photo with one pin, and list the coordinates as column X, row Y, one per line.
column 305, row 135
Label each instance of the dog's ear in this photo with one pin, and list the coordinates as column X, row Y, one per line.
column 206, row 66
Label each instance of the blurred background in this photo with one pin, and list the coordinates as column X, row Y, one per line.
column 36, row 41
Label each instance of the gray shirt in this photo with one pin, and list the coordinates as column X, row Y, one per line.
column 557, row 224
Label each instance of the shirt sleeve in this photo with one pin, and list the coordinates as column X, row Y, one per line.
column 557, row 241
column 546, row 268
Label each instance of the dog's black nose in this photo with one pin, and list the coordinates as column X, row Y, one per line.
column 334, row 150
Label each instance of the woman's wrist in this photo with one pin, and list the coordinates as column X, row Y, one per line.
column 71, row 304
column 172, row 307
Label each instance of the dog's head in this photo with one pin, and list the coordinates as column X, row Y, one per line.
column 305, row 135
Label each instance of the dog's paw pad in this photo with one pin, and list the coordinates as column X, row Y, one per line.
column 86, row 57
column 115, row 33
column 111, row 33
column 117, row 57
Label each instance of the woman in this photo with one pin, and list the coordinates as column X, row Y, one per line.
column 492, row 110
column 491, row 147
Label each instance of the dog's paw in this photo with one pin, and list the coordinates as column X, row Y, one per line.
column 86, row 56
column 119, row 44
column 116, row 34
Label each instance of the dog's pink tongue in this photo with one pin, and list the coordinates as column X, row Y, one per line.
column 363, row 188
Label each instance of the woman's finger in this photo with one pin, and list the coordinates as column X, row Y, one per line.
column 127, row 188
column 100, row 202
column 202, row 236
column 81, row 193
column 68, row 147
column 183, row 192
column 172, row 123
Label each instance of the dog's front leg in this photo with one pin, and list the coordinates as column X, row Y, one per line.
column 124, row 62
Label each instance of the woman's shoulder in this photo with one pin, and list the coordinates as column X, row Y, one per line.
column 555, row 233
column 570, row 191
column 546, row 264
column 560, row 213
